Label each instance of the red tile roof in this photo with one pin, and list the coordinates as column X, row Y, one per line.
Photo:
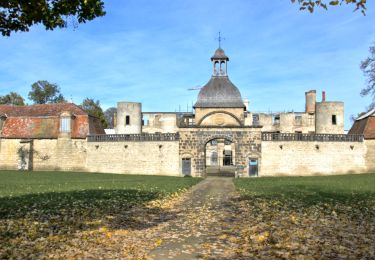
column 43, row 121
column 41, row 110
column 364, row 126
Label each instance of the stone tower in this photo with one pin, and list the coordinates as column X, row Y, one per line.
column 129, row 118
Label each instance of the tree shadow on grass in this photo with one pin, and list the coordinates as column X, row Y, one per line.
column 36, row 216
column 294, row 197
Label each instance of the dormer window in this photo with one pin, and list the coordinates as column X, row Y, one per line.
column 65, row 123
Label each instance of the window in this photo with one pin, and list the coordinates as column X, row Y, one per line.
column 311, row 119
column 214, row 142
column 255, row 119
column 227, row 160
column 227, row 142
column 65, row 124
column 145, row 120
column 214, row 158
column 276, row 119
column 127, row 120
column 334, row 120
column 298, row 120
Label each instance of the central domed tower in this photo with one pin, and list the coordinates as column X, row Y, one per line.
column 219, row 101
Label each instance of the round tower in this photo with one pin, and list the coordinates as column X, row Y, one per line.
column 129, row 118
column 329, row 118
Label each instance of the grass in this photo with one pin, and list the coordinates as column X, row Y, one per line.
column 351, row 195
column 39, row 205
column 320, row 217
column 16, row 183
column 311, row 190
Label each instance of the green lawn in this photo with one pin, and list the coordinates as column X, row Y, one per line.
column 318, row 217
column 343, row 189
column 16, row 183
column 36, row 207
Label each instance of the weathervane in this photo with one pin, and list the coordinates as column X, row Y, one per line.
column 220, row 39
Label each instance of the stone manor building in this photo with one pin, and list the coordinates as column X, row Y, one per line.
column 221, row 137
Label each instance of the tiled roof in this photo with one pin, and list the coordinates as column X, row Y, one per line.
column 369, row 113
column 219, row 54
column 41, row 110
column 43, row 121
column 219, row 92
column 30, row 127
column 365, row 126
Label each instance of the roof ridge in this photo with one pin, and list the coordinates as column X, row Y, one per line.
column 369, row 113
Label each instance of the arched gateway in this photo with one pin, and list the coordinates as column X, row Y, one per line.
column 234, row 147
column 220, row 159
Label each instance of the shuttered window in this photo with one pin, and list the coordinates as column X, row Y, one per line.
column 65, row 125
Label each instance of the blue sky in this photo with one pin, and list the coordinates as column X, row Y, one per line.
column 152, row 51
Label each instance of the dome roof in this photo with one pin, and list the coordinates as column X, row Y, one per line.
column 219, row 54
column 219, row 92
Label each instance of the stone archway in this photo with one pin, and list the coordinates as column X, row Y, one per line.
column 220, row 157
column 193, row 141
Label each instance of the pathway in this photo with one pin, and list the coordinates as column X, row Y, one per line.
column 206, row 218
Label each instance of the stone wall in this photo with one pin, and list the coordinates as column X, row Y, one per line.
column 165, row 157
column 247, row 144
column 370, row 155
column 312, row 158
column 159, row 122
column 142, row 157
column 289, row 122
column 43, row 154
column 324, row 122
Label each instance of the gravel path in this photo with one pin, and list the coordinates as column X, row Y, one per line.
column 204, row 219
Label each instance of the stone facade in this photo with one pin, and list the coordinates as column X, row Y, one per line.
column 313, row 158
column 247, row 144
column 370, row 155
column 63, row 154
column 149, row 157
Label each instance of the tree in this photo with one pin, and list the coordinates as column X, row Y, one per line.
column 20, row 15
column 43, row 92
column 310, row 5
column 12, row 99
column 109, row 116
column 368, row 68
column 93, row 108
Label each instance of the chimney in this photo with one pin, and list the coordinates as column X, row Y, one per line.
column 323, row 96
column 114, row 118
column 310, row 101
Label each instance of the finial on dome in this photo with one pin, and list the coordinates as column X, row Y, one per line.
column 220, row 39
